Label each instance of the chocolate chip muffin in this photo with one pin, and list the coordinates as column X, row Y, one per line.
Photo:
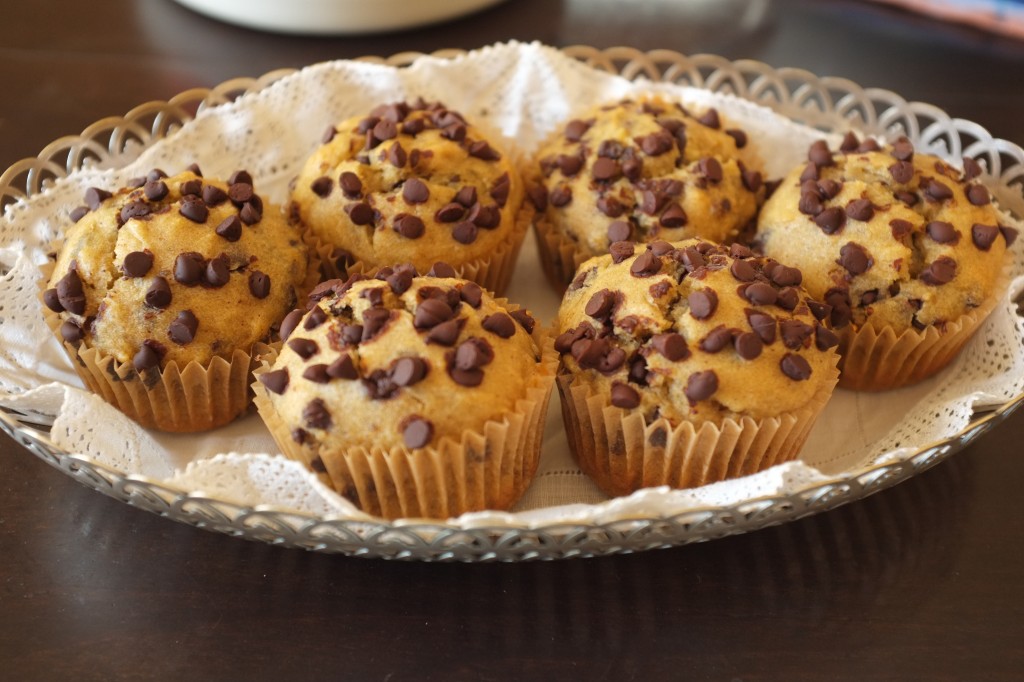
column 640, row 170
column 412, row 183
column 907, row 251
column 163, row 288
column 686, row 363
column 411, row 395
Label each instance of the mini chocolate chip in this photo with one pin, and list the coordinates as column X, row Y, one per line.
column 322, row 186
column 855, row 258
column 316, row 317
column 1009, row 234
column 606, row 170
column 137, row 263
column 972, row 168
column 900, row 228
column 560, row 196
column 351, row 185
column 610, row 206
column 671, row 345
column 134, row 209
column 860, row 209
column 396, row 155
column 673, row 216
column 902, row 171
column 305, row 348
column 417, row 432
column 360, row 213
column 94, row 197
column 155, row 174
column 316, row 416
column 250, row 214
column 710, row 119
column 825, row 338
column 351, row 334
column 183, row 329
column 191, row 187
column 703, row 302
column 446, row 333
column 317, row 374
column 749, row 345
column 415, row 191
column 155, row 191
column 620, row 251
column 600, row 304
column 752, row 180
column 218, row 271
column 903, row 149
column 188, row 268
column 525, row 319
column 763, row 325
column 500, row 324
column 149, row 355
column 710, row 168
column 829, row 188
column 786, row 277
column 645, row 265
column 374, row 320
column 407, row 371
column 241, row 176
column 213, row 195
column 538, row 196
column 788, row 299
column 78, row 213
column 52, row 300
column 230, row 228
column 794, row 333
column 839, row 300
column 473, row 353
column 849, row 142
column 482, row 150
column 575, row 129
column 738, row 136
column 240, row 192
column 936, row 191
column 978, row 195
column 343, row 368
column 401, row 279
column 810, row 172
column 259, row 284
column 450, row 213
column 383, row 130
column 942, row 232
column 487, row 217
column 290, row 322
column 743, row 271
column 431, row 312
column 908, row 198
column 717, row 339
column 624, row 396
column 701, row 385
column 984, row 236
column 759, row 293
column 71, row 332
column 810, row 203
column 657, row 143
column 619, row 231
column 194, row 209
column 442, row 269
column 821, row 311
column 819, row 154
column 795, row 367
column 409, row 226
column 158, row 295
column 941, row 271
column 275, row 380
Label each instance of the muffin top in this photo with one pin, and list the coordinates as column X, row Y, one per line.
column 176, row 268
column 886, row 236
column 409, row 183
column 695, row 331
column 399, row 361
column 645, row 169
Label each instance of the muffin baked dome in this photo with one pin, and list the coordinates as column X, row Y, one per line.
column 413, row 183
column 701, row 348
column 419, row 371
column 641, row 170
column 894, row 240
column 173, row 271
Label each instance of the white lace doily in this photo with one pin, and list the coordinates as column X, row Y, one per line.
column 522, row 92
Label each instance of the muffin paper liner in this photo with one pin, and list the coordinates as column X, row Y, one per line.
column 622, row 453
column 873, row 360
column 559, row 255
column 486, row 469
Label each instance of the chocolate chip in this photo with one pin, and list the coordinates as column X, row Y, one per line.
column 189, row 267
column 250, row 213
column 137, row 263
column 442, row 269
column 1009, row 234
column 155, row 174
column 825, row 338
column 473, row 353
column 972, row 168
column 183, row 329
column 71, row 332
column 701, row 385
column 610, row 206
column 155, row 191
column 624, row 396
column 78, row 213
column 408, row 371
column 446, row 333
column 657, row 143
column 936, row 191
column 290, row 322
column 374, row 320
column 157, row 296
column 487, row 217
column 305, row 348
column 710, row 119
column 360, row 213
column 749, row 345
column 673, row 216
column 538, row 196
column 849, row 142
column 703, row 303
column 819, row 154
column 752, row 180
column 908, row 198
column 149, row 355
column 606, row 170
column 431, row 312
column 351, row 334
column 810, row 172
column 900, row 228
column 316, row 416
column 135, row 209
column 738, row 136
column 322, row 186
column 794, row 333
column 645, row 265
column 671, row 345
column 240, row 176
column 230, row 228
column 259, row 284
column 710, row 168
column 194, row 209
column 560, row 196
column 575, row 129
column 316, row 317
column 942, row 232
column 396, row 155
column 622, row 250
column 984, row 236
column 276, row 381
column 839, row 300
column 500, row 324
column 450, row 213
column 717, row 339
column 759, row 293
column 619, row 231
column 417, row 432
column 860, row 209
column 213, row 195
column 190, row 188
column 218, row 271
column 525, row 319
column 409, row 226
column 810, row 203
column 763, row 325
column 902, row 171
column 903, row 149
column 94, row 197
column 343, row 368
column 786, row 277
column 941, row 271
column 415, row 191
column 484, row 151
column 691, row 258
column 743, row 271
column 821, row 311
column 855, row 258
column 795, row 367
column 351, row 185
column 400, row 279
column 978, row 195
column 317, row 374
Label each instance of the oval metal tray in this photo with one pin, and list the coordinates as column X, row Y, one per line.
column 829, row 104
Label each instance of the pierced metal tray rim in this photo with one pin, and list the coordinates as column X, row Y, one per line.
column 818, row 101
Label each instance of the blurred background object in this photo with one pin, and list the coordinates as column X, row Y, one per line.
column 998, row 16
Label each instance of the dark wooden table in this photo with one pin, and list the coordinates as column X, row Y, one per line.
column 922, row 581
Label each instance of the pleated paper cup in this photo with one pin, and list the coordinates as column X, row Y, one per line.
column 873, row 360
column 623, row 453
column 560, row 255
column 492, row 273
column 488, row 468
